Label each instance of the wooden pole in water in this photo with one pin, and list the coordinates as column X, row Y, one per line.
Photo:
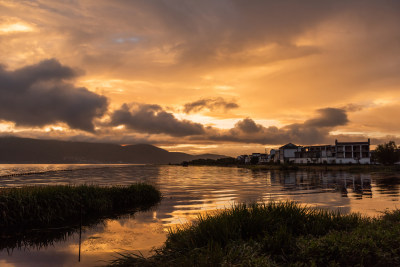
column 80, row 236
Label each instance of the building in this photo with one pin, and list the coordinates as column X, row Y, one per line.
column 316, row 154
column 353, row 152
column 243, row 159
column 286, row 153
column 340, row 153
column 263, row 159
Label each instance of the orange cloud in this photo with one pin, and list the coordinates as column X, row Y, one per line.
column 280, row 60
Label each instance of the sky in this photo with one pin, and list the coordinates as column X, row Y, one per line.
column 227, row 77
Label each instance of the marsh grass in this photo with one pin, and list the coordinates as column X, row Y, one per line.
column 278, row 234
column 38, row 216
column 51, row 206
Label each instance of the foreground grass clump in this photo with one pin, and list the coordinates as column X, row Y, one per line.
column 44, row 206
column 278, row 234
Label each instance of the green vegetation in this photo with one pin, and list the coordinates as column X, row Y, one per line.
column 278, row 234
column 50, row 206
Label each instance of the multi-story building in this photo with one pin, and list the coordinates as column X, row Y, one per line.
column 286, row 153
column 340, row 153
column 353, row 152
column 316, row 154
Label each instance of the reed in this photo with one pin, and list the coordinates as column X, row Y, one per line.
column 59, row 205
column 276, row 234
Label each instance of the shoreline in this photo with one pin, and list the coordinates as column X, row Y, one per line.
column 349, row 168
column 303, row 167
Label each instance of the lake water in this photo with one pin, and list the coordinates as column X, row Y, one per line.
column 187, row 192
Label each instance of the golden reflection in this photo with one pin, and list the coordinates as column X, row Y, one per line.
column 193, row 191
column 126, row 234
column 182, row 218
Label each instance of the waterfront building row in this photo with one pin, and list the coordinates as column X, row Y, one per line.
column 339, row 153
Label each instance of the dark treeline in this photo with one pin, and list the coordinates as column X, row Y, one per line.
column 212, row 162
column 387, row 153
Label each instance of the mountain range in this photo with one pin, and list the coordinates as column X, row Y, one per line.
column 26, row 150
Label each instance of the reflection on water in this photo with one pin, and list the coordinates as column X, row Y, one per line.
column 187, row 192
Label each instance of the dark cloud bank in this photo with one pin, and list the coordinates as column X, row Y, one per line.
column 38, row 95
column 312, row 131
column 153, row 119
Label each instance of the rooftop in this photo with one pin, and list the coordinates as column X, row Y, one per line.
column 289, row 146
column 352, row 143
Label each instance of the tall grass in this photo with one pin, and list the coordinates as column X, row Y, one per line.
column 276, row 234
column 49, row 206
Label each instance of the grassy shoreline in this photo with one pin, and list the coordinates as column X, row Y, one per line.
column 59, row 205
column 278, row 234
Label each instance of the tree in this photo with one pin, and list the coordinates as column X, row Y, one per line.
column 388, row 153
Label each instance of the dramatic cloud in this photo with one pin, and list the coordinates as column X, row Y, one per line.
column 248, row 126
column 312, row 131
column 38, row 95
column 153, row 119
column 328, row 117
column 210, row 104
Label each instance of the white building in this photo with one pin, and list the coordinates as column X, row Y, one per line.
column 316, row 154
column 353, row 152
column 340, row 153
column 286, row 153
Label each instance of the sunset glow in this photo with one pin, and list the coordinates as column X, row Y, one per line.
column 225, row 77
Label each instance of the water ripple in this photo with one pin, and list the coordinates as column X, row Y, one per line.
column 188, row 192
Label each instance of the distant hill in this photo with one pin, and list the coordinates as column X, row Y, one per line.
column 26, row 150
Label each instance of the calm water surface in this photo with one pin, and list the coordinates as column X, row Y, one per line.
column 187, row 192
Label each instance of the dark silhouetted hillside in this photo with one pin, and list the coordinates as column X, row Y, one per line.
column 26, row 150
